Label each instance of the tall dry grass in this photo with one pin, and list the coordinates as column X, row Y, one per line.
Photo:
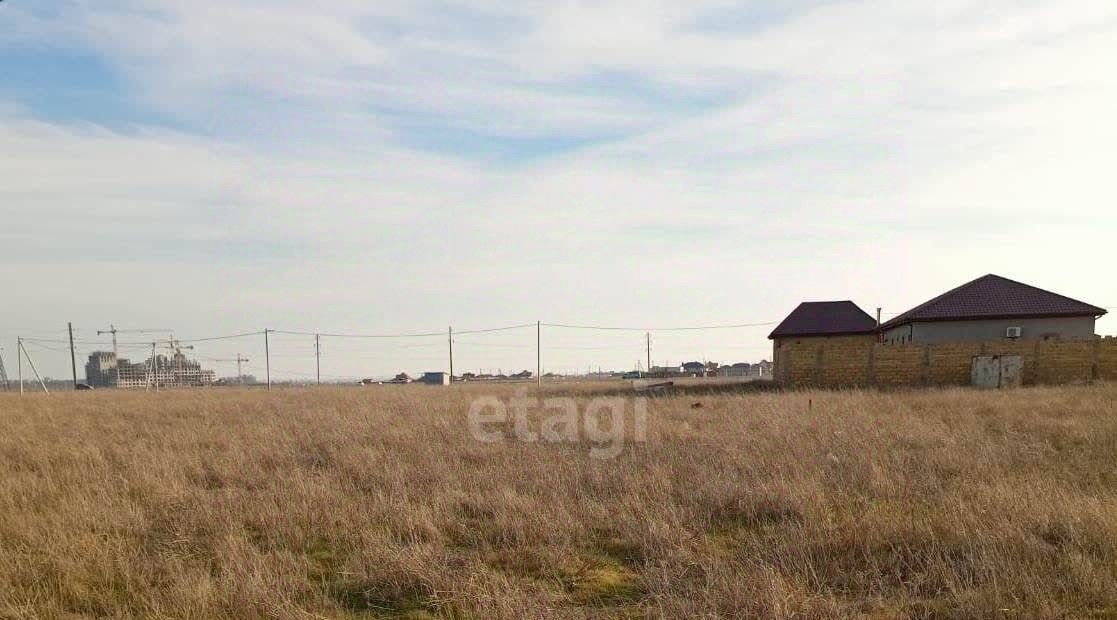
column 346, row 503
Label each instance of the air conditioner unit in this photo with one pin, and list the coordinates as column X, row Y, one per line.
column 1013, row 332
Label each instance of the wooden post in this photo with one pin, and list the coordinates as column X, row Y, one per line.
column 32, row 365
column 155, row 365
column 73, row 362
column 267, row 358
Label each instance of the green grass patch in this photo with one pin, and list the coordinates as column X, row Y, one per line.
column 600, row 581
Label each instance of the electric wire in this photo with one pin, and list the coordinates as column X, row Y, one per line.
column 658, row 329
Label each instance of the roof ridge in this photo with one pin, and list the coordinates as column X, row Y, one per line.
column 819, row 318
column 899, row 319
column 930, row 305
column 1043, row 290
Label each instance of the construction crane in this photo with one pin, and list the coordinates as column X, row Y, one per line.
column 115, row 353
column 114, row 331
column 240, row 359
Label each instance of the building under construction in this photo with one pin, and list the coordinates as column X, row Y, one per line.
column 104, row 370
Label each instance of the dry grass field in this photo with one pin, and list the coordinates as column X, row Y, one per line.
column 378, row 502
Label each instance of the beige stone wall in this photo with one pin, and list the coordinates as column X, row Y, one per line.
column 820, row 360
column 850, row 361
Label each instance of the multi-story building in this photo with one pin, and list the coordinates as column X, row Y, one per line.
column 104, row 369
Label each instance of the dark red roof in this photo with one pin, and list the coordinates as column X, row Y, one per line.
column 994, row 297
column 825, row 318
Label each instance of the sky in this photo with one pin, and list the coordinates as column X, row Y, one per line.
column 400, row 167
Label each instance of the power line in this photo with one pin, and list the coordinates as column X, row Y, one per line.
column 414, row 334
column 144, row 343
column 493, row 329
column 86, row 342
column 401, row 335
column 659, row 329
column 494, row 345
column 39, row 345
column 337, row 335
column 228, row 337
column 66, row 341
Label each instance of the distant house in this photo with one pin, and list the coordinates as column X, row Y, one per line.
column 435, row 378
column 665, row 371
column 992, row 308
column 740, row 369
column 759, row 370
column 694, row 369
column 523, row 374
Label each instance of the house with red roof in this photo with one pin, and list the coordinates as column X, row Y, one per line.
column 835, row 343
column 824, row 319
column 816, row 322
column 993, row 308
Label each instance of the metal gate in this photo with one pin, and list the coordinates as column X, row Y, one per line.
column 997, row 371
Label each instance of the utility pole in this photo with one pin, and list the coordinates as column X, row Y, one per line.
column 153, row 370
column 450, row 339
column 4, row 374
column 318, row 357
column 32, row 365
column 172, row 345
column 19, row 363
column 267, row 357
column 648, row 345
column 539, row 353
column 73, row 362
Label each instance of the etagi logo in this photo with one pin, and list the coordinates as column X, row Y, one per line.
column 559, row 419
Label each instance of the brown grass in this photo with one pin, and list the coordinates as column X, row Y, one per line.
column 348, row 503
